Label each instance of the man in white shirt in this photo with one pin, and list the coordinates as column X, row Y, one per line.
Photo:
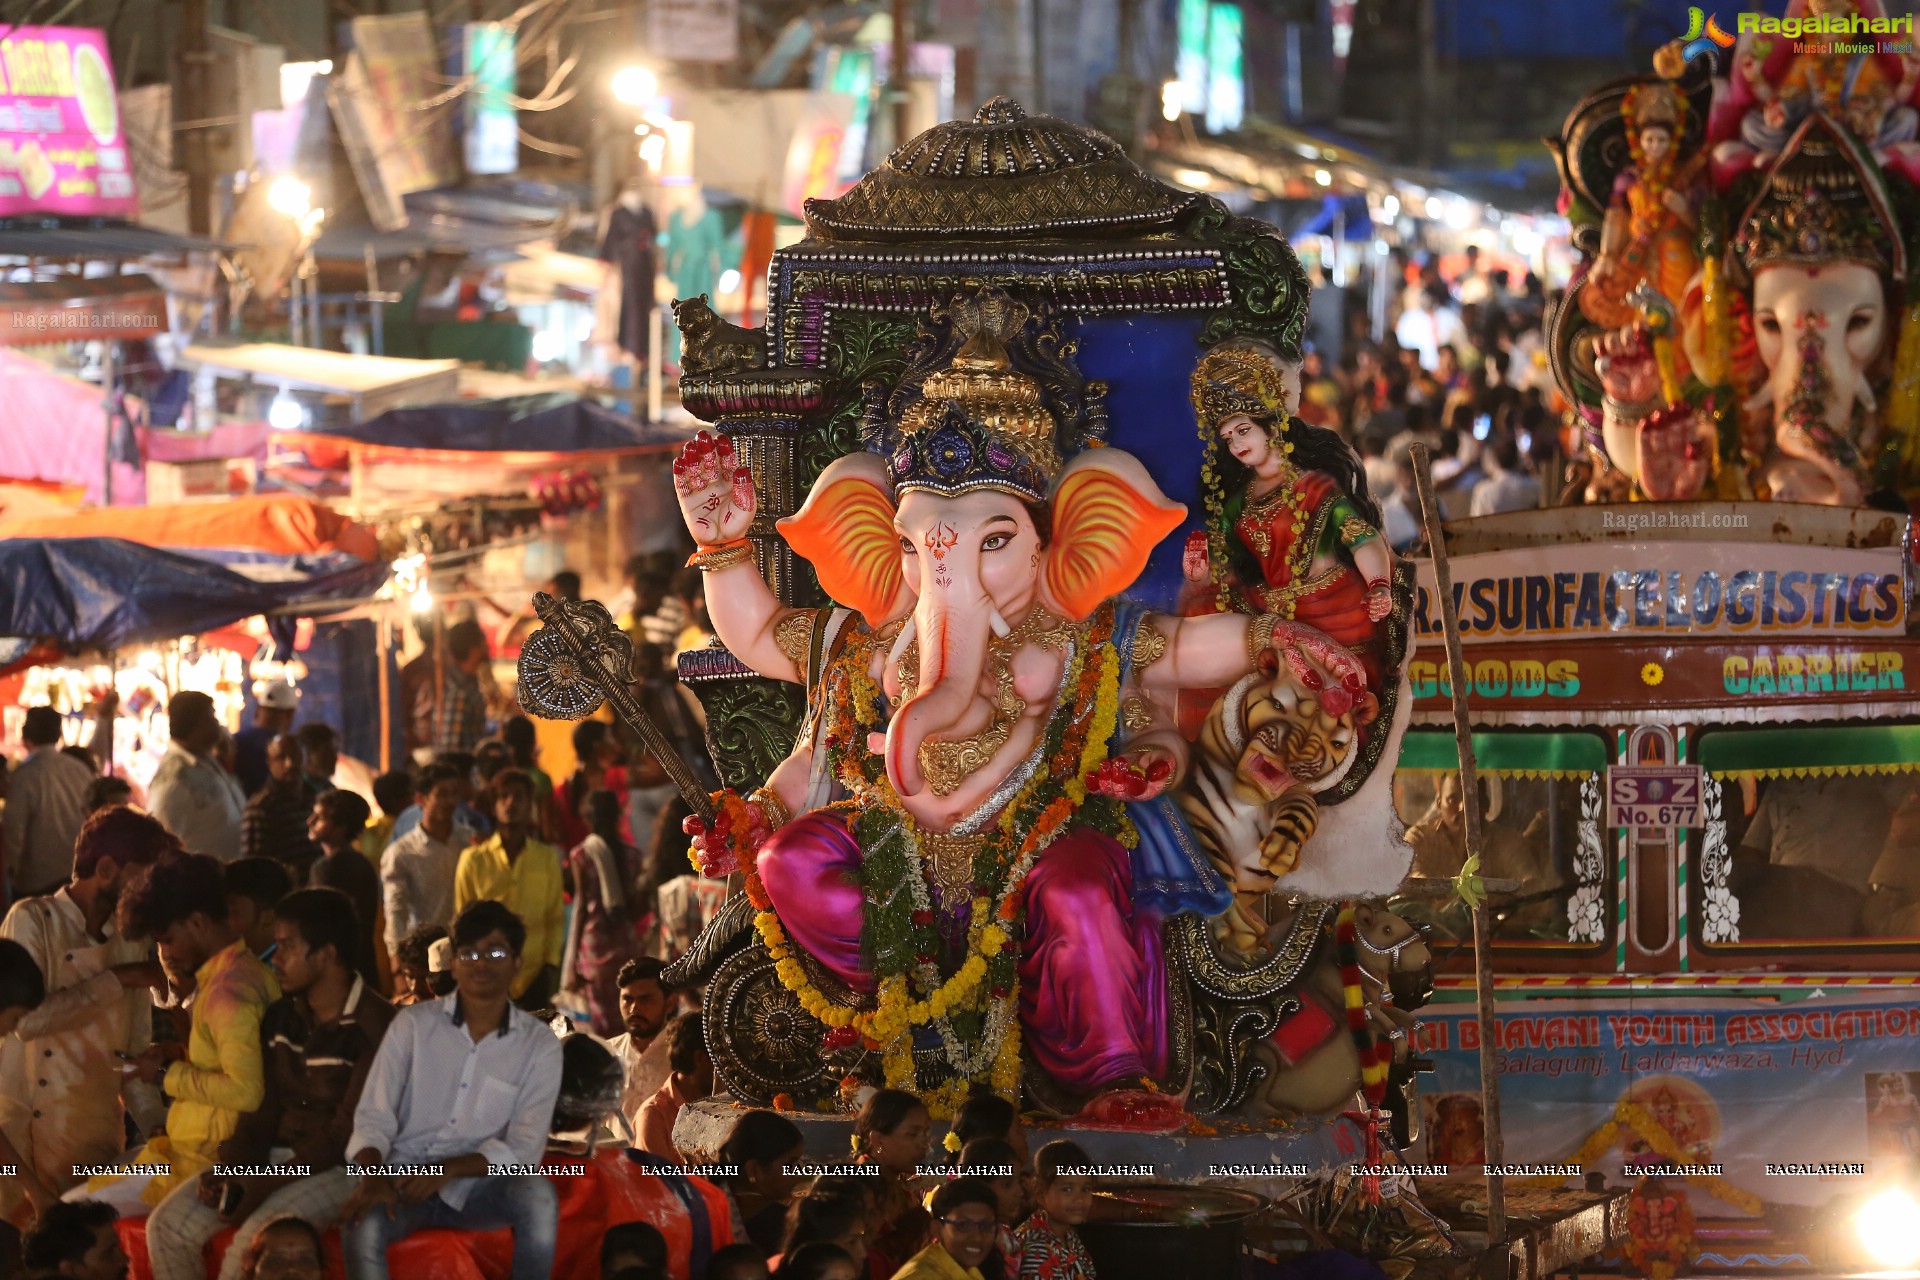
column 46, row 803
column 61, row 1065
column 191, row 794
column 459, row 1098
column 645, row 1006
column 1507, row 488
column 416, row 871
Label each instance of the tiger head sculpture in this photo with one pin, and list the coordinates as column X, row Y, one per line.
column 1286, row 737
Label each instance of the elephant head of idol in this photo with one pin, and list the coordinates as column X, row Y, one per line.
column 1823, row 254
column 964, row 522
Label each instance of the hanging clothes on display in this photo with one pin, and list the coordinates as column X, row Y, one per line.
column 694, row 252
column 628, row 245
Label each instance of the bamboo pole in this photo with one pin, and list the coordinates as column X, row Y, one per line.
column 1470, row 791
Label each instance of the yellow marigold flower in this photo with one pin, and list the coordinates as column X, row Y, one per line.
column 1652, row 674
column 951, row 1142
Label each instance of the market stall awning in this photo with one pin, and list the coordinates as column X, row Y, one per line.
column 1552, row 755
column 264, row 536
column 1816, row 752
column 534, row 426
column 77, row 309
column 101, row 593
column 373, row 383
column 53, row 238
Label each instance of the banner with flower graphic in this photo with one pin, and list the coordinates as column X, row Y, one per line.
column 1742, row 1100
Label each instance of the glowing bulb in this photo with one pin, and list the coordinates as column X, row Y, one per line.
column 635, row 86
column 290, row 196
column 1170, row 100
column 1322, row 177
column 1886, row 1225
column 1390, row 207
column 422, row 600
column 546, row 346
column 729, row 280
column 285, row 413
column 653, row 149
column 1436, row 207
column 1198, row 179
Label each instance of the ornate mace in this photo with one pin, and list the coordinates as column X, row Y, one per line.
column 579, row 660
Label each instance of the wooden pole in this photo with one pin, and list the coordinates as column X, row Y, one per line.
column 195, row 55
column 897, row 72
column 383, row 647
column 1470, row 790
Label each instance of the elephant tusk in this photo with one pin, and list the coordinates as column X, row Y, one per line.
column 901, row 642
column 998, row 623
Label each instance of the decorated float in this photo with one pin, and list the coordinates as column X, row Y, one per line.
column 1691, row 686
column 1060, row 678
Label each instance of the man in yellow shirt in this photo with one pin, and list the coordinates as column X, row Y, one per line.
column 512, row 868
column 965, row 1229
column 218, row 1077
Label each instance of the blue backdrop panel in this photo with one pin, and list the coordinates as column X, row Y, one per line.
column 1146, row 361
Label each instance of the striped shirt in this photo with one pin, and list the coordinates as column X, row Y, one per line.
column 314, row 1074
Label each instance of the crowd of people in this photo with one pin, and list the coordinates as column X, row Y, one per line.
column 255, row 1000
column 1462, row 368
column 203, row 1044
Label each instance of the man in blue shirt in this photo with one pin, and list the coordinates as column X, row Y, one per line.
column 453, row 1121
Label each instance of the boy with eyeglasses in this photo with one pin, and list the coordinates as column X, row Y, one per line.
column 455, row 1113
column 965, row 1228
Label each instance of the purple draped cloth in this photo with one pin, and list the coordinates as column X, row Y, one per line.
column 1092, row 976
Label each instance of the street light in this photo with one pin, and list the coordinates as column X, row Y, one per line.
column 290, row 196
column 635, row 86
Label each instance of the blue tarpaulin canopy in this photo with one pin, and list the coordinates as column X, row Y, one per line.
column 551, row 423
column 102, row 593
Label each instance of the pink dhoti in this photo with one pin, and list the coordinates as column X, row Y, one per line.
column 1092, row 973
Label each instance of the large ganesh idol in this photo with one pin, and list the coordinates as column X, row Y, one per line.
column 1057, row 660
column 1741, row 329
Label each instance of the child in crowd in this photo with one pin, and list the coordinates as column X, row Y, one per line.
column 1049, row 1248
column 737, row 1262
column 819, row 1261
column 416, row 980
column 833, row 1211
column 892, row 1131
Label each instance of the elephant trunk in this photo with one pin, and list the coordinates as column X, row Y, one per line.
column 954, row 638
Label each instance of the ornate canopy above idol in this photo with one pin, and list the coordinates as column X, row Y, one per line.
column 1741, row 327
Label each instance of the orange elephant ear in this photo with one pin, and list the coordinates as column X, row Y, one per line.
column 845, row 529
column 1108, row 515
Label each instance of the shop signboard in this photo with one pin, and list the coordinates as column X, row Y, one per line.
column 1747, row 1100
column 694, row 30
column 1674, row 590
column 387, row 103
column 492, row 126
column 61, row 146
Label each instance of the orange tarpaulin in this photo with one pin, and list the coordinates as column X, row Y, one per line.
column 282, row 524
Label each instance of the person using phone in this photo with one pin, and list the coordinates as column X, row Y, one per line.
column 59, row 1068
column 288, row 1157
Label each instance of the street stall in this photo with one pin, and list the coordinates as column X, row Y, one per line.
column 82, row 617
column 289, row 387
